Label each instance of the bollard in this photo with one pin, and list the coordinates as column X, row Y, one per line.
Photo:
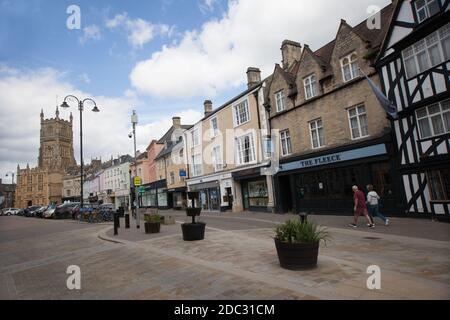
column 303, row 217
column 127, row 221
column 116, row 223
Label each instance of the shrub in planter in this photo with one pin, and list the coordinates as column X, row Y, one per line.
column 297, row 244
column 152, row 223
column 195, row 230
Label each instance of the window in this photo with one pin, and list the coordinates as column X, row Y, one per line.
column 310, row 86
column 245, row 149
column 172, row 178
column 195, row 138
column 40, row 182
column 434, row 120
column 428, row 52
column 426, row 9
column 280, row 100
column 286, row 148
column 317, row 138
column 196, row 167
column 350, row 67
column 439, row 182
column 358, row 122
column 241, row 113
column 267, row 145
column 216, row 159
column 30, row 183
column 214, row 128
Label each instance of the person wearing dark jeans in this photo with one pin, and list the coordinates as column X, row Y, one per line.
column 373, row 203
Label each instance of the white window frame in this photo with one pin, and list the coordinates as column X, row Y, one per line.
column 310, row 84
column 317, row 129
column 429, row 117
column 240, row 153
column 214, row 131
column 238, row 121
column 424, row 45
column 196, row 168
column 195, row 136
column 353, row 74
column 280, row 101
column 172, row 177
column 285, row 143
column 426, row 7
column 358, row 116
column 216, row 159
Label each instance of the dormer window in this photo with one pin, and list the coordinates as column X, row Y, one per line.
column 310, row 84
column 279, row 98
column 350, row 67
column 426, row 9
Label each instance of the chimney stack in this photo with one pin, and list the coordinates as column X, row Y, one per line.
column 208, row 107
column 291, row 51
column 253, row 77
column 176, row 122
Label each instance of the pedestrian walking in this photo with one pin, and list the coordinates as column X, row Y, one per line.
column 360, row 208
column 373, row 203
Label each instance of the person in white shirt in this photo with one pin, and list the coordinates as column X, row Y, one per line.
column 373, row 204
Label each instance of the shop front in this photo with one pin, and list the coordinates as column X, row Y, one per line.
column 215, row 192
column 122, row 199
column 323, row 183
column 209, row 195
column 255, row 190
column 179, row 198
column 155, row 195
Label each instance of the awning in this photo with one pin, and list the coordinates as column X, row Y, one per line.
column 202, row 186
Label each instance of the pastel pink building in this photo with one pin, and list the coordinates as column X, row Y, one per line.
column 146, row 165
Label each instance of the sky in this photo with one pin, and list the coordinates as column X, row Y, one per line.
column 162, row 58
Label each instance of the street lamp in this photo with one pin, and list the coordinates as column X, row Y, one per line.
column 10, row 173
column 65, row 105
column 134, row 121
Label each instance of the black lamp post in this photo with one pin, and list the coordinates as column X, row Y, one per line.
column 65, row 105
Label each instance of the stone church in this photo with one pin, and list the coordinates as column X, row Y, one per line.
column 42, row 185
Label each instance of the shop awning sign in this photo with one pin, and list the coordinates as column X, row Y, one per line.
column 366, row 152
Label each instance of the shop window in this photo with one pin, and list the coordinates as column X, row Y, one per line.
column 358, row 122
column 439, row 184
column 434, row 120
column 257, row 193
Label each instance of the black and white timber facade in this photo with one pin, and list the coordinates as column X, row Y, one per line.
column 414, row 66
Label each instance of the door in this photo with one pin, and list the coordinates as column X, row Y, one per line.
column 229, row 198
column 245, row 196
column 214, row 196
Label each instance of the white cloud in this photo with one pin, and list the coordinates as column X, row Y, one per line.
column 139, row 31
column 22, row 95
column 213, row 59
column 84, row 77
column 91, row 32
column 207, row 5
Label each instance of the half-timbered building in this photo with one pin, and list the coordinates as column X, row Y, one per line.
column 414, row 68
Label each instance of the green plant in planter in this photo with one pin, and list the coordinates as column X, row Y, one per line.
column 296, row 232
column 153, row 218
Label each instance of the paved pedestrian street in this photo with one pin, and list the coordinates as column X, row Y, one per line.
column 237, row 260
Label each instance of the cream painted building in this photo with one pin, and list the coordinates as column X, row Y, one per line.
column 226, row 153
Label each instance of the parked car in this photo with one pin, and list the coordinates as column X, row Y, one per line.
column 40, row 212
column 48, row 214
column 64, row 211
column 31, row 211
column 9, row 212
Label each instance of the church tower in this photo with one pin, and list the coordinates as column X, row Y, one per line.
column 56, row 145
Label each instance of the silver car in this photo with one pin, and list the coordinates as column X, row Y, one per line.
column 49, row 213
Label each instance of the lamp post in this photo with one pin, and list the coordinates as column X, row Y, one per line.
column 81, row 103
column 12, row 176
column 134, row 121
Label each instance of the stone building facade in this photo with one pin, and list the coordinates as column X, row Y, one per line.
column 333, row 133
column 43, row 185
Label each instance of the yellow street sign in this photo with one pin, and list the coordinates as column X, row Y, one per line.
column 137, row 181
